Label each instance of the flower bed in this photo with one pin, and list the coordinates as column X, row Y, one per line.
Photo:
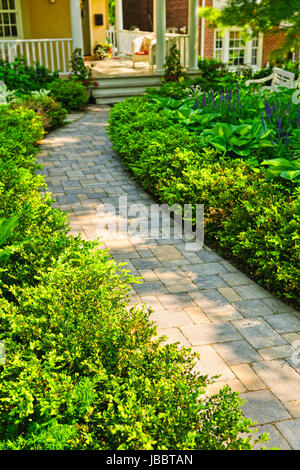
column 183, row 152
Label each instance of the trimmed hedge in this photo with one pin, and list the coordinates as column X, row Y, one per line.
column 252, row 221
column 83, row 370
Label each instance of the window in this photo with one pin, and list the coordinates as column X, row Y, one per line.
column 254, row 52
column 233, row 50
column 219, row 46
column 9, row 27
column 236, row 48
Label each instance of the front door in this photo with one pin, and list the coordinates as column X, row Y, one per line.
column 85, row 20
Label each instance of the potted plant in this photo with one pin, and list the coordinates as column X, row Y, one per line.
column 103, row 51
column 173, row 68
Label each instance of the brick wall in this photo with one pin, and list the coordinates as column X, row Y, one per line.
column 136, row 13
column 270, row 42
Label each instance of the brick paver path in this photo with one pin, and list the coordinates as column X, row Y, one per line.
column 199, row 299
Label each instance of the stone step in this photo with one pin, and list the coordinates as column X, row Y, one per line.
column 113, row 92
column 121, row 82
column 111, row 99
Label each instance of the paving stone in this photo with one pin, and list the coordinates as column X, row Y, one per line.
column 276, row 305
column 186, row 286
column 211, row 363
column 229, row 294
column 215, row 388
column 209, row 282
column 200, row 335
column 293, row 407
column 276, row 375
column 166, row 253
column 154, row 287
column 171, row 318
column 205, row 269
column 284, row 323
column 174, row 335
column 170, row 276
column 175, row 300
column 252, row 292
column 276, row 440
column 261, row 406
column 148, row 274
column 291, row 431
column 215, row 305
column 237, row 352
column 209, row 256
column 196, row 315
column 253, row 308
column 291, row 337
column 146, row 263
column 277, row 352
column 258, row 333
column 248, row 377
column 152, row 301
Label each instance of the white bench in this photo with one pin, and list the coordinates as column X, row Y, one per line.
column 279, row 77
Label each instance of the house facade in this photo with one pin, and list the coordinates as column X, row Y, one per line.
column 228, row 47
column 46, row 31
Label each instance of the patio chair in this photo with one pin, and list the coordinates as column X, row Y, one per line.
column 279, row 77
column 142, row 50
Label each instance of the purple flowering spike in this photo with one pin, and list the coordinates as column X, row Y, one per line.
column 196, row 105
column 203, row 102
column 279, row 125
column 268, row 109
column 298, row 118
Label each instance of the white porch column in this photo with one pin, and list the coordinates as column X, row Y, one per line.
column 193, row 34
column 75, row 11
column 160, row 9
column 119, row 15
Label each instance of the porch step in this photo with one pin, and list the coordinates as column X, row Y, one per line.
column 113, row 89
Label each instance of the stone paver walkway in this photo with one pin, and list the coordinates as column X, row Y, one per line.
column 240, row 330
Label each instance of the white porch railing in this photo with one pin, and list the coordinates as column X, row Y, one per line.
column 54, row 54
column 122, row 41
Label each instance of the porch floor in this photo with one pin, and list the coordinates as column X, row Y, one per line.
column 120, row 67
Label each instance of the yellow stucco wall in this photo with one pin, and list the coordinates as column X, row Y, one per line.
column 43, row 20
column 98, row 33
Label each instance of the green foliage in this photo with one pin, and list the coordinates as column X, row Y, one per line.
column 70, row 93
column 51, row 112
column 239, row 120
column 252, row 221
column 24, row 78
column 83, row 373
column 266, row 16
column 287, row 169
column 83, row 370
column 173, row 70
column 79, row 70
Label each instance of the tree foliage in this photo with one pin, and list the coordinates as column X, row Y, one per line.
column 261, row 16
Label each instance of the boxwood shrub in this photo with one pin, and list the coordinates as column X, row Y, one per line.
column 83, row 369
column 251, row 221
column 70, row 93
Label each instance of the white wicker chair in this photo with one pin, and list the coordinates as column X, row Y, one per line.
column 142, row 50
